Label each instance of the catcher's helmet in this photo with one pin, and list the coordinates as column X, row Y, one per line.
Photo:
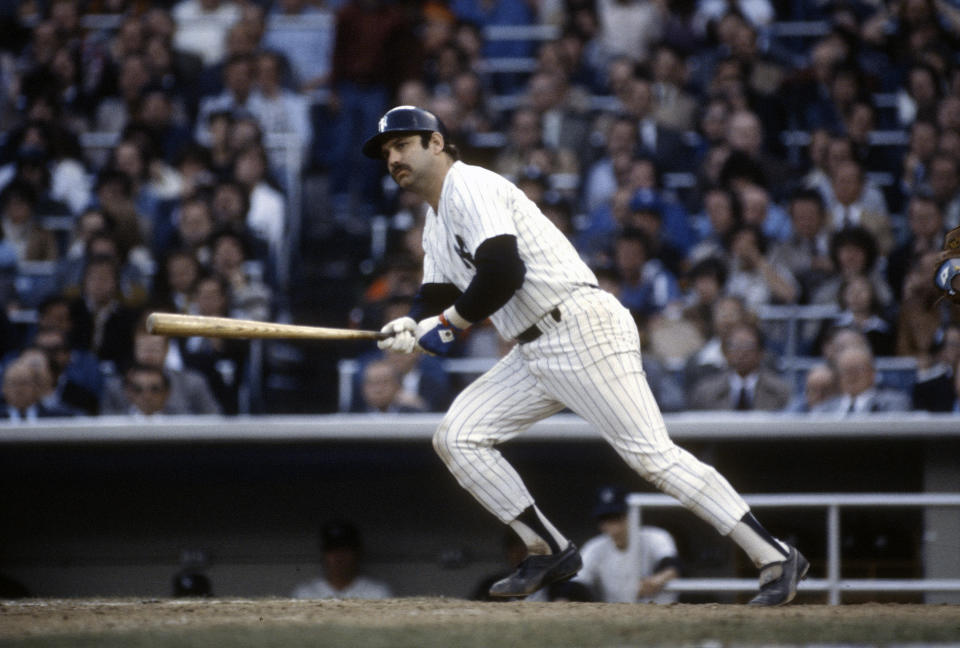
column 401, row 120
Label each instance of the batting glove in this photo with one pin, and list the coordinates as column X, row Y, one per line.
column 402, row 333
column 436, row 335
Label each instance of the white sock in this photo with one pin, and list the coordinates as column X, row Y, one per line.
column 536, row 543
column 759, row 549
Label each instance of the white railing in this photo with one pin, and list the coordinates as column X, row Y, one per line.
column 833, row 584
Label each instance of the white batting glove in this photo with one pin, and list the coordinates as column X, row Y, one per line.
column 402, row 332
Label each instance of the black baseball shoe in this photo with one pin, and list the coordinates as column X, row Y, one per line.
column 778, row 581
column 539, row 571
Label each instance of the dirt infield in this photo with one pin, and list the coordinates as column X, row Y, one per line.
column 428, row 622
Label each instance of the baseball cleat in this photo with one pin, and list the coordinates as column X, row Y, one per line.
column 778, row 581
column 539, row 571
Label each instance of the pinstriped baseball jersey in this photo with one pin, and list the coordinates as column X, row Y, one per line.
column 477, row 204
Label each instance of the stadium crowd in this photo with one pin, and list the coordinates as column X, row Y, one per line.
column 712, row 160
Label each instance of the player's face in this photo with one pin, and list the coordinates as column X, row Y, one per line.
column 407, row 160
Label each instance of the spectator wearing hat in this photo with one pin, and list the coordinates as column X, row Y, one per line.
column 620, row 571
column 341, row 552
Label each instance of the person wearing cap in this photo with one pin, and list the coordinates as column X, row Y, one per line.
column 620, row 572
column 490, row 252
column 341, row 552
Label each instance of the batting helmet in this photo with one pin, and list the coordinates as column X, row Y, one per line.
column 402, row 120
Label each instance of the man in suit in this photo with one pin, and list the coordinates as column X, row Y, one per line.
column 848, row 182
column 860, row 394
column 190, row 393
column 747, row 384
column 22, row 395
column 665, row 146
column 148, row 391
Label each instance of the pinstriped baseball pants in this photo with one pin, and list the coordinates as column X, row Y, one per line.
column 589, row 362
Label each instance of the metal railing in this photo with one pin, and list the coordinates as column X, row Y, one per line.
column 833, row 584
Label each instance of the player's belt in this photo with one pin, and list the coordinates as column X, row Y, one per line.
column 534, row 331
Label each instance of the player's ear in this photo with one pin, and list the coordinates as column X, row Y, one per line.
column 436, row 141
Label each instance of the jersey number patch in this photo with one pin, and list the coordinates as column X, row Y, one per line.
column 464, row 253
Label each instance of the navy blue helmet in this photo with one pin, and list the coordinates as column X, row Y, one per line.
column 399, row 121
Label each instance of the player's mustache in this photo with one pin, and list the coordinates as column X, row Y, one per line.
column 397, row 168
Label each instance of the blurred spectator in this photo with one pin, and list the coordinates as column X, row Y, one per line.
column 664, row 221
column 307, row 51
column 237, row 95
column 936, row 385
column 188, row 390
column 22, row 229
column 945, row 186
column 665, row 146
column 676, row 108
column 620, row 571
column 152, row 181
column 164, row 124
column 602, row 178
column 847, row 181
column 647, row 286
column 117, row 109
column 760, row 210
column 267, row 216
column 102, row 323
column 76, row 374
column 50, row 400
column 223, row 362
column 805, row 254
column 21, row 395
column 251, row 298
column 919, row 95
column 705, row 283
column 202, row 25
column 134, row 285
column 564, row 124
column 629, row 28
column 279, row 110
column 746, row 135
column 925, row 234
column 194, row 227
column 853, row 252
column 726, row 312
column 922, row 146
column 751, row 274
column 860, row 309
column 115, row 198
column 819, row 385
column 365, row 74
column 382, row 390
column 748, row 384
column 857, row 375
column 720, row 216
column 174, row 279
column 341, row 555
column 148, row 392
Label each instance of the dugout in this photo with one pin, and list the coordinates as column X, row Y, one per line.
column 106, row 507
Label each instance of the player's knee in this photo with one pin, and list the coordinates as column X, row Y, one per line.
column 442, row 440
column 449, row 442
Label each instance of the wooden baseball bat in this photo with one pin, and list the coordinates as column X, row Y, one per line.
column 176, row 324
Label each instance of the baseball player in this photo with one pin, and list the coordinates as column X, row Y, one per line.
column 490, row 252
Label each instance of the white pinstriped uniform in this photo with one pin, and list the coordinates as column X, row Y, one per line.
column 589, row 361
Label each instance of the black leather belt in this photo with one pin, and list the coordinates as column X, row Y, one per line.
column 534, row 331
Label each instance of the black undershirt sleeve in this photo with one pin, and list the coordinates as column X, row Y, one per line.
column 433, row 298
column 500, row 273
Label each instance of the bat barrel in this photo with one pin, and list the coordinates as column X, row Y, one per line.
column 176, row 324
